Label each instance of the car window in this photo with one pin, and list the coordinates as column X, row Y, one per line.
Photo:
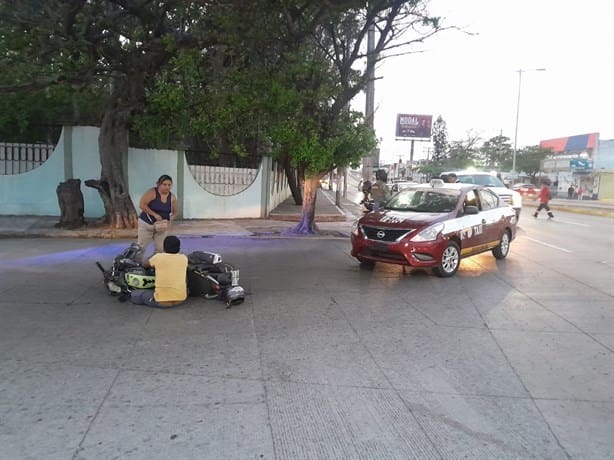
column 424, row 200
column 471, row 199
column 488, row 199
column 480, row 179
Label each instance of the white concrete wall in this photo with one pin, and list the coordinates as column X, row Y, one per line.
column 85, row 165
column 200, row 204
column 34, row 192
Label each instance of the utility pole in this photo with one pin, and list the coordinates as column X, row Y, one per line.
column 520, row 71
column 371, row 161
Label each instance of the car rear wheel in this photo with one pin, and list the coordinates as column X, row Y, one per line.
column 449, row 262
column 501, row 251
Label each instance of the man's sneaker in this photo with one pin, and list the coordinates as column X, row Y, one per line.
column 535, row 215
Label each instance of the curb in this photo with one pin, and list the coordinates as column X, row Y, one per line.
column 585, row 211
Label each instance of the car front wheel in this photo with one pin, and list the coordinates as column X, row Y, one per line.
column 449, row 262
column 501, row 251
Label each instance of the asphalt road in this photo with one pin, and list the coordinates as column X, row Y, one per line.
column 509, row 359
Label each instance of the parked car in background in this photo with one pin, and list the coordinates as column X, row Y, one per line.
column 435, row 226
column 530, row 191
column 486, row 179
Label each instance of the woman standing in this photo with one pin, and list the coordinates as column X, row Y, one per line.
column 158, row 206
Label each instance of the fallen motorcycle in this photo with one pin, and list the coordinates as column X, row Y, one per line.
column 207, row 276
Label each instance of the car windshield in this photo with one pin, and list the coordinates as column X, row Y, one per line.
column 424, row 200
column 480, row 179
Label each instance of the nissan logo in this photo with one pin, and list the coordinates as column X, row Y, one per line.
column 381, row 234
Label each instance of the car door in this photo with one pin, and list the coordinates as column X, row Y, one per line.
column 492, row 217
column 472, row 232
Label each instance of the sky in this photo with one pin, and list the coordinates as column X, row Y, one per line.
column 471, row 80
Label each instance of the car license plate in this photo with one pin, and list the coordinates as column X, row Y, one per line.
column 380, row 247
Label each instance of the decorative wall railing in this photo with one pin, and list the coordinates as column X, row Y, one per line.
column 21, row 158
column 221, row 180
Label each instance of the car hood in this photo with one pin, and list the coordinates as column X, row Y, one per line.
column 401, row 219
column 501, row 190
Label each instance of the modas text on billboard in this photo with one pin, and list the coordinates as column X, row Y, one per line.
column 412, row 125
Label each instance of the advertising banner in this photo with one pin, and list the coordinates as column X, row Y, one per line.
column 412, row 125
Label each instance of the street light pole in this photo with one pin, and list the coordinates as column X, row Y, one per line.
column 518, row 115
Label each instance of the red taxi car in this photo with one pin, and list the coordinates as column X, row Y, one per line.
column 435, row 226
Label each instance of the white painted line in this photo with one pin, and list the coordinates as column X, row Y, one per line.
column 549, row 245
column 572, row 223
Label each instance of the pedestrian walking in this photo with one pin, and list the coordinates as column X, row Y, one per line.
column 570, row 191
column 580, row 192
column 544, row 198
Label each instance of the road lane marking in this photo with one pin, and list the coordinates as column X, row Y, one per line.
column 549, row 245
column 572, row 223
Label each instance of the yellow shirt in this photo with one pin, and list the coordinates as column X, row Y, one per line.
column 171, row 270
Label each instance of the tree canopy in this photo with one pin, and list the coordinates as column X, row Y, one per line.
column 271, row 77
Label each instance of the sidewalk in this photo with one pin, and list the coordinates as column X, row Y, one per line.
column 332, row 221
column 603, row 208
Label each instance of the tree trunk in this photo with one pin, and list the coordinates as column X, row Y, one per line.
column 113, row 146
column 307, row 224
column 292, row 176
column 70, row 200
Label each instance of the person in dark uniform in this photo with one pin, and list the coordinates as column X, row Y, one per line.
column 157, row 206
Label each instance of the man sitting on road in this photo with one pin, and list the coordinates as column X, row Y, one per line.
column 171, row 270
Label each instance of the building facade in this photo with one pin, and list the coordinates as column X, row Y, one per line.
column 582, row 161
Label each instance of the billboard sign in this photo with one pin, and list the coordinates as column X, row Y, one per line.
column 412, row 125
column 581, row 163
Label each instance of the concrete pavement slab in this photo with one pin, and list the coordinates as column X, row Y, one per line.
column 486, row 428
column 607, row 340
column 593, row 316
column 323, row 355
column 371, row 304
column 196, row 349
column 504, row 308
column 46, row 410
column 357, row 339
column 56, row 333
column 276, row 313
column 443, row 360
column 333, row 422
column 560, row 365
column 161, row 415
column 583, row 428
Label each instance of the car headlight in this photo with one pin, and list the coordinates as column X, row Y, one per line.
column 429, row 233
column 516, row 199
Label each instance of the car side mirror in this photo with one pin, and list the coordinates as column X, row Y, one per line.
column 471, row 210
